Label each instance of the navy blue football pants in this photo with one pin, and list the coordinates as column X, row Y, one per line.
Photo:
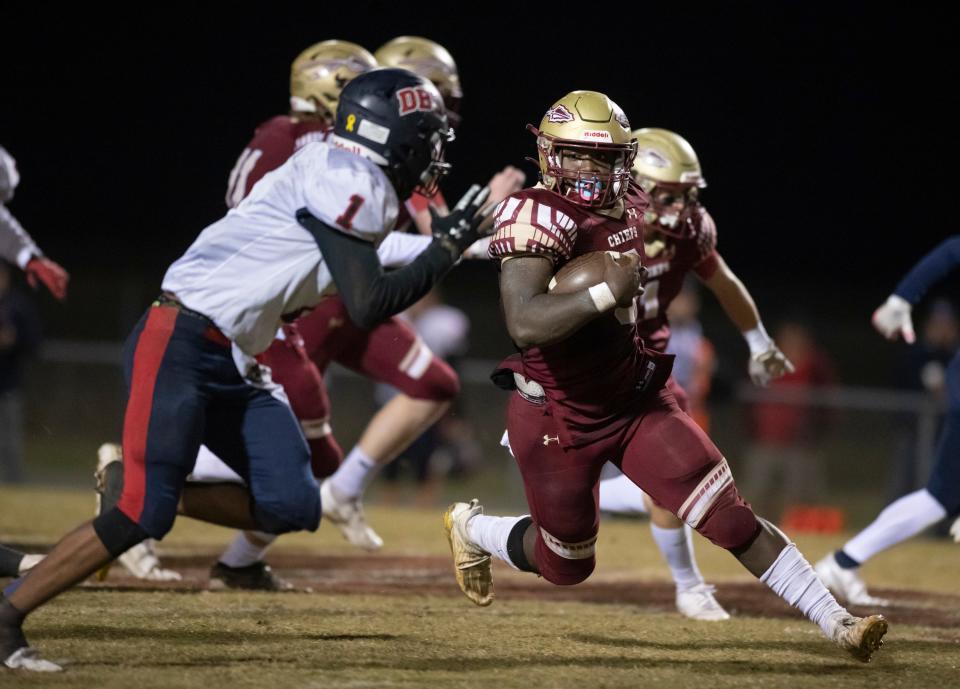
column 944, row 483
column 184, row 389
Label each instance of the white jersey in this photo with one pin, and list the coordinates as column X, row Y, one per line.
column 16, row 245
column 257, row 264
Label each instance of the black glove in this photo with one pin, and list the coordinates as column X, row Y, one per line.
column 459, row 230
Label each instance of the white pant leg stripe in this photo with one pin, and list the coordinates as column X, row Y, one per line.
column 705, row 494
column 416, row 362
column 315, row 428
column 505, row 442
column 570, row 551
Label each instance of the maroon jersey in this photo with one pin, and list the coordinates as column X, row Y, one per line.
column 596, row 380
column 273, row 142
column 668, row 260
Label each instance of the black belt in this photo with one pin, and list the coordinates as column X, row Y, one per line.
column 212, row 332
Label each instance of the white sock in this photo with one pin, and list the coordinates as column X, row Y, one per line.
column 491, row 533
column 241, row 552
column 900, row 520
column 354, row 475
column 792, row 578
column 620, row 495
column 676, row 545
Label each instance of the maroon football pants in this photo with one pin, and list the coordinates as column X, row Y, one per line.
column 663, row 451
column 390, row 353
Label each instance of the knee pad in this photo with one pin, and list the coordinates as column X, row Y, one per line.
column 564, row 563
column 301, row 512
column 716, row 510
column 119, row 533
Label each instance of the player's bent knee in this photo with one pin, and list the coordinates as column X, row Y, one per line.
column 119, row 533
column 564, row 563
column 730, row 527
column 300, row 511
column 947, row 493
column 439, row 383
column 715, row 509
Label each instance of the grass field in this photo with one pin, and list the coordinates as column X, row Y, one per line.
column 396, row 619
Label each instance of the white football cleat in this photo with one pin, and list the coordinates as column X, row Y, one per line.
column 143, row 563
column 845, row 584
column 471, row 563
column 699, row 603
column 29, row 659
column 348, row 516
column 955, row 530
column 861, row 637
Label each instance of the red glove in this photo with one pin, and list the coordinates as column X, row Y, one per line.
column 54, row 277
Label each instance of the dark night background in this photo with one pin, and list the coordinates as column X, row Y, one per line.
column 827, row 135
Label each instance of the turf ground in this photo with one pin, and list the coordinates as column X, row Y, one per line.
column 396, row 619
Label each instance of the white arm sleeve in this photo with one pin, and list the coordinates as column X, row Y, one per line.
column 400, row 248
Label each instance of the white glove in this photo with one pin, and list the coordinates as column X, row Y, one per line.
column 955, row 531
column 769, row 365
column 767, row 362
column 142, row 562
column 893, row 320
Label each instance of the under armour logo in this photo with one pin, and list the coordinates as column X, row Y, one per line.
column 547, row 439
column 633, row 213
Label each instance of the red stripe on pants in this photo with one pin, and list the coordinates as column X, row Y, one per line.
column 147, row 359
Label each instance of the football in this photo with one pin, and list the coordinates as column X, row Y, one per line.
column 581, row 273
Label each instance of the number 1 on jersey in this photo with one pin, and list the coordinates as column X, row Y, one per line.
column 346, row 219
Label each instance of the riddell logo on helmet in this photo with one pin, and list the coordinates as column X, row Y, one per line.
column 413, row 99
column 597, row 134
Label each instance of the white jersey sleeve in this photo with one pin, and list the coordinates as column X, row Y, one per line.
column 9, row 177
column 346, row 196
column 257, row 266
column 400, row 248
column 16, row 245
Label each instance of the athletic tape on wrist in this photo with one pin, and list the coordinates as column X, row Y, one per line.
column 758, row 340
column 602, row 297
